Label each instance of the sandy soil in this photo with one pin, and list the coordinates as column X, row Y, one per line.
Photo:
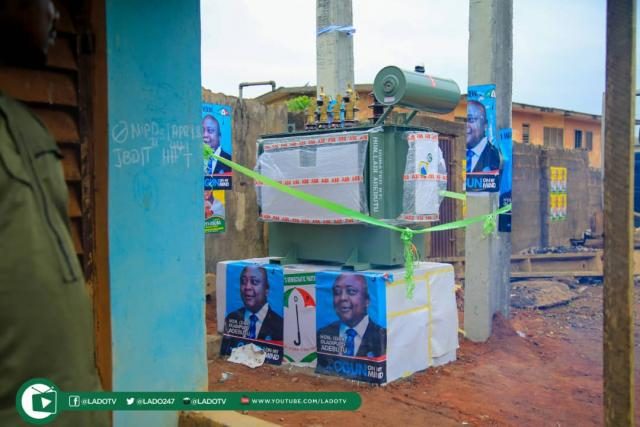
column 550, row 376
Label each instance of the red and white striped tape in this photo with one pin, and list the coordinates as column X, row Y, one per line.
column 319, row 181
column 306, row 220
column 344, row 139
column 430, row 217
column 423, row 136
column 429, row 177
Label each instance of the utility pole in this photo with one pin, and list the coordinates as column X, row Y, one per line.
column 618, row 213
column 488, row 259
column 334, row 46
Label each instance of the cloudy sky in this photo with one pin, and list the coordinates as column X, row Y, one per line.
column 559, row 45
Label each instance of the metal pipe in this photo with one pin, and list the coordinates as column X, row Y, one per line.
column 384, row 115
column 271, row 83
column 411, row 116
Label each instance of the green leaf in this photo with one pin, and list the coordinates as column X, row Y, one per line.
column 298, row 104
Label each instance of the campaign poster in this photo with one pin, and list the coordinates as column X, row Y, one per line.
column 351, row 325
column 216, row 139
column 484, row 160
column 553, row 209
column 562, row 206
column 300, row 319
column 506, row 150
column 214, row 211
column 562, row 180
column 558, row 193
column 254, row 309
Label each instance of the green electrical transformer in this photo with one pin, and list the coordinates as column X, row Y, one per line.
column 389, row 172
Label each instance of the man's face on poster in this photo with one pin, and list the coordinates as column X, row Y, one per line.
column 476, row 124
column 254, row 288
column 211, row 132
column 350, row 298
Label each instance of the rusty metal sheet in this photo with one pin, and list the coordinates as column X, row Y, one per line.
column 443, row 242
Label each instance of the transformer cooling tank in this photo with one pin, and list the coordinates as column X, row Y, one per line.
column 394, row 86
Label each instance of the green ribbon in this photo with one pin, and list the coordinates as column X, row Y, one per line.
column 451, row 194
column 406, row 234
column 407, row 240
column 489, row 225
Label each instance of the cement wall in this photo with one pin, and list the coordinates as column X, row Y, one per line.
column 526, row 221
column 531, row 222
column 245, row 236
column 595, row 201
column 578, row 215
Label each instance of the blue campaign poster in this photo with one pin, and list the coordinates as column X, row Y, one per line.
column 254, row 308
column 484, row 159
column 351, row 325
column 506, row 149
column 217, row 139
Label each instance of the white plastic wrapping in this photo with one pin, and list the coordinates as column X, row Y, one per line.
column 422, row 331
column 330, row 166
column 424, row 178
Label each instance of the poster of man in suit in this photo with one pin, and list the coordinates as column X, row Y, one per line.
column 351, row 325
column 216, row 139
column 254, row 309
column 484, row 159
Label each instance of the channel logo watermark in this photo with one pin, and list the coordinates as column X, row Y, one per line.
column 39, row 401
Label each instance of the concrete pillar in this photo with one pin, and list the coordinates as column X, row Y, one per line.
column 618, row 293
column 334, row 49
column 155, row 222
column 487, row 264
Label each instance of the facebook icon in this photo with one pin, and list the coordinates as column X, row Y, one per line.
column 74, row 401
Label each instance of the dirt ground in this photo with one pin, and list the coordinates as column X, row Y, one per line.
column 540, row 367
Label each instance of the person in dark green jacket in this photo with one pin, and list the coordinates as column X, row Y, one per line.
column 46, row 328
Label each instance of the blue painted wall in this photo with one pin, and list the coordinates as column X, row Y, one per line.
column 156, row 238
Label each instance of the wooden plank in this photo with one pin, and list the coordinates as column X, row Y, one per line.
column 65, row 23
column 61, row 124
column 541, row 265
column 71, row 163
column 567, row 255
column 574, row 264
column 61, row 54
column 76, row 235
column 551, row 273
column 73, row 204
column 93, row 75
column 41, row 86
column 521, row 265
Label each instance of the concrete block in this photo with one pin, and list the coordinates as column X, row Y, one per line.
column 220, row 419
